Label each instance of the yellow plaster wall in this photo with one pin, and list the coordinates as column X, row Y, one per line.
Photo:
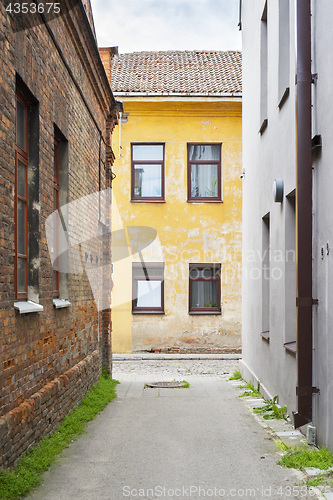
column 186, row 232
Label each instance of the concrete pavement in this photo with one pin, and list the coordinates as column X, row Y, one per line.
column 201, row 442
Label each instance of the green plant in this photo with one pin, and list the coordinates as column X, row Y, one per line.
column 299, row 458
column 185, row 385
column 281, row 445
column 27, row 475
column 250, row 390
column 210, row 303
column 318, row 458
column 271, row 410
column 212, row 192
column 322, row 479
column 236, row 375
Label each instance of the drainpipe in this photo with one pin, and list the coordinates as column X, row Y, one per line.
column 240, row 16
column 304, row 300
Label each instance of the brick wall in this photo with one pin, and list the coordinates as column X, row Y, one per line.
column 44, row 410
column 48, row 360
column 107, row 54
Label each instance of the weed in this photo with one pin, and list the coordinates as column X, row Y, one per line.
column 184, row 382
column 27, row 475
column 281, row 445
column 250, row 391
column 300, row 458
column 325, row 479
column 271, row 410
column 236, row 375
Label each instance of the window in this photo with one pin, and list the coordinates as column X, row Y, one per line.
column 284, row 51
column 205, row 289
column 204, row 172
column 58, row 243
column 263, row 71
column 21, row 199
column 148, row 287
column 56, row 225
column 26, row 196
column 290, row 268
column 147, row 172
column 265, row 277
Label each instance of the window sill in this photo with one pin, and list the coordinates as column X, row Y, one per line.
column 284, row 97
column 148, row 201
column 210, row 313
column 200, row 200
column 290, row 347
column 27, row 306
column 265, row 336
column 61, row 303
column 263, row 126
column 148, row 312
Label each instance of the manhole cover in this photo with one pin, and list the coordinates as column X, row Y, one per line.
column 169, row 385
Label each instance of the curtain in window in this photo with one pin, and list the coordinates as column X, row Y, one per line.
column 204, row 178
column 204, row 152
column 204, row 294
column 149, row 293
column 204, row 181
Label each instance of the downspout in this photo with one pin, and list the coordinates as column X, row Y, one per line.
column 240, row 16
column 304, row 300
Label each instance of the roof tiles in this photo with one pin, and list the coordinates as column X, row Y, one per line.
column 178, row 72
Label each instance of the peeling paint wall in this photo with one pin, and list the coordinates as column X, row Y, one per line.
column 186, row 232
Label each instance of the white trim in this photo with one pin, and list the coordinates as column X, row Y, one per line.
column 61, row 303
column 177, row 94
column 27, row 306
column 249, row 376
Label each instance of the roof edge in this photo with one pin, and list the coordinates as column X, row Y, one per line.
column 175, row 94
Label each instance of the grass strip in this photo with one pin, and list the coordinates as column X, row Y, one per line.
column 300, row 458
column 27, row 475
column 318, row 458
column 324, row 479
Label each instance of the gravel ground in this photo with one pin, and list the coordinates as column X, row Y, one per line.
column 223, row 368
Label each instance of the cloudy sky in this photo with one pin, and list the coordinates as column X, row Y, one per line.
column 136, row 25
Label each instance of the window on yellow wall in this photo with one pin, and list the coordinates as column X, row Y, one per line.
column 147, row 172
column 148, row 287
column 205, row 289
column 204, row 172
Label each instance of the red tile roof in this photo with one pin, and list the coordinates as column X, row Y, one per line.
column 178, row 72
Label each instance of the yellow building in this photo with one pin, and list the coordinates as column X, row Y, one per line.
column 177, row 201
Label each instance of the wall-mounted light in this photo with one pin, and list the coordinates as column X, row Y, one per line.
column 278, row 190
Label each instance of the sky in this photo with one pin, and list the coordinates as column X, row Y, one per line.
column 152, row 25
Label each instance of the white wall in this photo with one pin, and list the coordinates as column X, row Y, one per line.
column 267, row 156
column 323, row 220
column 270, row 156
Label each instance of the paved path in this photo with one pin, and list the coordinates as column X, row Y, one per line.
column 200, row 442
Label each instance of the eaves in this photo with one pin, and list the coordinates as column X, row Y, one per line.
column 232, row 96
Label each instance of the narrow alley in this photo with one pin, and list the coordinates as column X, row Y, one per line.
column 196, row 442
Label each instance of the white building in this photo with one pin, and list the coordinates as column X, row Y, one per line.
column 287, row 138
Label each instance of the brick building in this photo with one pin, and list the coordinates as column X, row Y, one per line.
column 57, row 113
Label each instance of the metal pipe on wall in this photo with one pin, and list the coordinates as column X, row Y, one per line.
column 304, row 300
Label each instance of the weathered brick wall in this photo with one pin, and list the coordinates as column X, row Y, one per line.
column 107, row 54
column 41, row 413
column 56, row 353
